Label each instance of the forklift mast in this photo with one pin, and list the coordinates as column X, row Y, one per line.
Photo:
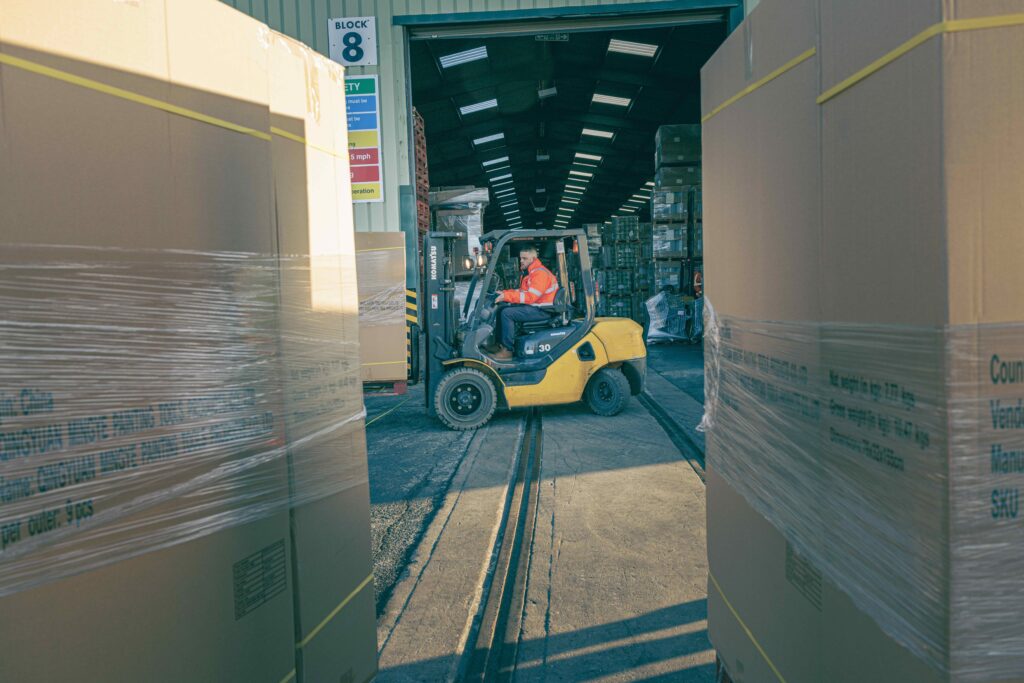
column 439, row 319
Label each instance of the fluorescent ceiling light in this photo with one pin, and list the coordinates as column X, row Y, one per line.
column 486, row 104
column 569, row 200
column 603, row 99
column 594, row 132
column 573, row 190
column 635, row 201
column 581, row 173
column 581, row 188
column 592, row 157
column 628, row 48
column 489, row 138
column 649, row 183
column 640, row 196
column 473, row 55
column 504, row 190
column 492, row 162
column 501, row 177
column 580, row 163
column 545, row 93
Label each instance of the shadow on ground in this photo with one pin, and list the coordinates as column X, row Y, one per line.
column 611, row 650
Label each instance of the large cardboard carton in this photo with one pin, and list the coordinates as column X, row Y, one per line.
column 380, row 261
column 142, row 538
column 324, row 417
column 877, row 432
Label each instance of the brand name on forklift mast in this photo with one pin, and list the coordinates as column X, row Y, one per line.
column 433, row 262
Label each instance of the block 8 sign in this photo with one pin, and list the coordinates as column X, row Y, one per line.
column 353, row 40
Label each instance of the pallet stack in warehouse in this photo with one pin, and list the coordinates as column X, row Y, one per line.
column 625, row 277
column 422, row 176
column 675, row 207
column 677, row 217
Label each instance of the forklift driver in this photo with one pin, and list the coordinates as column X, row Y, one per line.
column 537, row 288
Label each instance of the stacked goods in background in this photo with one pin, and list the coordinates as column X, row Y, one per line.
column 864, row 444
column 460, row 209
column 380, row 263
column 625, row 276
column 675, row 202
column 594, row 243
column 419, row 145
column 182, row 446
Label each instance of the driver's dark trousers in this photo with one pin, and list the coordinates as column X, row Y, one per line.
column 513, row 313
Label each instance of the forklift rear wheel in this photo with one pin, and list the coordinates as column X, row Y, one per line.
column 607, row 392
column 465, row 399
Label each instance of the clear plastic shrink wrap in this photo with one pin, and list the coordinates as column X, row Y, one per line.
column 150, row 397
column 381, row 297
column 890, row 457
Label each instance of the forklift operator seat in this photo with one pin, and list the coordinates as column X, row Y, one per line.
column 554, row 311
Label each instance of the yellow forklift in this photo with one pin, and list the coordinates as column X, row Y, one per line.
column 572, row 355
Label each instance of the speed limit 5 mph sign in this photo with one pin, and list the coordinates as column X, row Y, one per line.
column 353, row 40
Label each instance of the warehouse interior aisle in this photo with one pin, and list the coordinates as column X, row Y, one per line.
column 616, row 579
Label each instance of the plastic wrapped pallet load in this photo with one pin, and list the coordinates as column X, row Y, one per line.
column 863, row 367
column 380, row 262
column 181, row 426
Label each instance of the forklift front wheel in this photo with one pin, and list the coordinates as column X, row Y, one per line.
column 465, row 399
column 607, row 392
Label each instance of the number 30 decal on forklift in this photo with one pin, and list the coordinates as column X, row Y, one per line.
column 353, row 40
column 543, row 348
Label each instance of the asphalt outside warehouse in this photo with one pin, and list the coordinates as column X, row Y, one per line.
column 255, row 424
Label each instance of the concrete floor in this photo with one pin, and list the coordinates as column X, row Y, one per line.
column 617, row 578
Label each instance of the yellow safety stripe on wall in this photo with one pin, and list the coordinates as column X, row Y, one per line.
column 411, row 318
column 952, row 26
column 791, row 64
column 746, row 630
column 97, row 86
column 313, row 634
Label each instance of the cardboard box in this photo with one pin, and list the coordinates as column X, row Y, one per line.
column 677, row 177
column 130, row 321
column 335, row 616
column 877, row 233
column 380, row 261
column 189, row 305
column 677, row 144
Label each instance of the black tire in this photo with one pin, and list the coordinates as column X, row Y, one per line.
column 607, row 392
column 465, row 399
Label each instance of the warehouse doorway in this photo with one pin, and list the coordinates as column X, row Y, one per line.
column 550, row 121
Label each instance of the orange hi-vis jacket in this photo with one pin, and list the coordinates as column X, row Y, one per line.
column 538, row 287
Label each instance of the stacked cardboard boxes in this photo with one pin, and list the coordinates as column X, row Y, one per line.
column 180, row 329
column 865, row 251
column 380, row 262
column 626, row 273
